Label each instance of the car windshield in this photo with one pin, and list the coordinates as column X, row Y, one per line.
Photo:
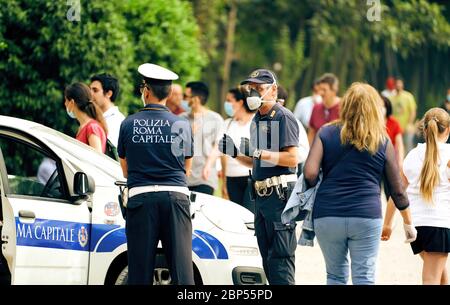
column 82, row 152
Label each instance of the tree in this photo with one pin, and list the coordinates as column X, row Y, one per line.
column 41, row 51
column 165, row 32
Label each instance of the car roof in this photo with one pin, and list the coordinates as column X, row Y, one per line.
column 17, row 123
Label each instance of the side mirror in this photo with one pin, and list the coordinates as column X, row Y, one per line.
column 82, row 184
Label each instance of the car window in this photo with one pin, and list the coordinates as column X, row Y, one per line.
column 94, row 160
column 30, row 172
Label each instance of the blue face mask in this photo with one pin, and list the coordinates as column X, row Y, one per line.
column 228, row 109
column 70, row 114
column 185, row 106
column 448, row 97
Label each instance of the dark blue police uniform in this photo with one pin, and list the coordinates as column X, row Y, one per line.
column 155, row 144
column 277, row 242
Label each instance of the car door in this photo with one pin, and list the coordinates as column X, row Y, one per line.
column 45, row 233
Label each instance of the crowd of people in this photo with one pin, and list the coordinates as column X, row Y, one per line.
column 348, row 149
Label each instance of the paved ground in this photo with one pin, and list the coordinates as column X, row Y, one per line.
column 396, row 262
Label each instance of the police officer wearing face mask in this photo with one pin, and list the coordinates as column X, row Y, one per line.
column 272, row 153
column 155, row 150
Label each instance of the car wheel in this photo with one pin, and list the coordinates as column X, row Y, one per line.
column 161, row 274
column 122, row 278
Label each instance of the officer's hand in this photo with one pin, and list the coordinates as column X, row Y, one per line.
column 245, row 147
column 227, row 146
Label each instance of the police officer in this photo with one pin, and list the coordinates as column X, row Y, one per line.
column 272, row 152
column 155, row 147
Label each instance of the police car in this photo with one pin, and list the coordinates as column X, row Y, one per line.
column 61, row 222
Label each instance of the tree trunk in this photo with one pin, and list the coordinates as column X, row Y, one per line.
column 229, row 52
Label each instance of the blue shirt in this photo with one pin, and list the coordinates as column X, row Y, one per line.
column 273, row 131
column 352, row 189
column 155, row 144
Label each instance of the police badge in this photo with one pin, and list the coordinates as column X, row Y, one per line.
column 82, row 236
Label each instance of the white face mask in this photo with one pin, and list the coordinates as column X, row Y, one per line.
column 70, row 114
column 317, row 98
column 254, row 101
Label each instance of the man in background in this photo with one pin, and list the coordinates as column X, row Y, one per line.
column 174, row 100
column 105, row 89
column 404, row 109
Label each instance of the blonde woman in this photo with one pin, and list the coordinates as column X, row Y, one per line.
column 426, row 171
column 353, row 153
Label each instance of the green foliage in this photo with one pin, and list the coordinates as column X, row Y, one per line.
column 165, row 32
column 411, row 40
column 45, row 52
column 41, row 51
column 292, row 60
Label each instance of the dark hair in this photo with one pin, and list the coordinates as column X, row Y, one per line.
column 282, row 94
column 81, row 94
column 108, row 82
column 315, row 83
column 240, row 96
column 387, row 105
column 199, row 89
column 331, row 80
column 160, row 91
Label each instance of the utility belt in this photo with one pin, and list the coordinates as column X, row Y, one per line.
column 157, row 188
column 264, row 188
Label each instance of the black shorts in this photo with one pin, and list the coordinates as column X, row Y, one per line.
column 431, row 239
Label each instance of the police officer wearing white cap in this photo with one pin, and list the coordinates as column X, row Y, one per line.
column 272, row 152
column 155, row 150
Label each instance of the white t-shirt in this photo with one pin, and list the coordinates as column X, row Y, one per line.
column 424, row 213
column 236, row 131
column 303, row 143
column 303, row 110
column 113, row 118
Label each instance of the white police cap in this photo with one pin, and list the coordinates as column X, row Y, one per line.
column 156, row 72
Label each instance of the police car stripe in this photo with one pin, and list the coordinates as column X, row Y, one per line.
column 217, row 247
column 111, row 240
column 99, row 232
column 53, row 234
column 201, row 247
column 99, row 238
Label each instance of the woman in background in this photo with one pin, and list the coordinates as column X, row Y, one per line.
column 235, row 184
column 79, row 106
column 427, row 173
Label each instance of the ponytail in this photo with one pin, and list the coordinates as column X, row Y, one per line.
column 429, row 176
column 94, row 112
column 434, row 123
column 81, row 94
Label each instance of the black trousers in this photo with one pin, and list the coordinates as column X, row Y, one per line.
column 202, row 188
column 239, row 192
column 158, row 216
column 277, row 242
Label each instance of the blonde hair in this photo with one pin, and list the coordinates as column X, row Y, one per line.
column 434, row 123
column 361, row 118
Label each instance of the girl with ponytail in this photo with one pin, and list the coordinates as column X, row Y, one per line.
column 427, row 172
column 79, row 106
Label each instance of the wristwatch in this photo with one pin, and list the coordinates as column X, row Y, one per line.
column 257, row 153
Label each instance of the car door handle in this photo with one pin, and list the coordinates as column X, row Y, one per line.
column 27, row 214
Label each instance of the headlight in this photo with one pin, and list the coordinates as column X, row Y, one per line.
column 244, row 251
